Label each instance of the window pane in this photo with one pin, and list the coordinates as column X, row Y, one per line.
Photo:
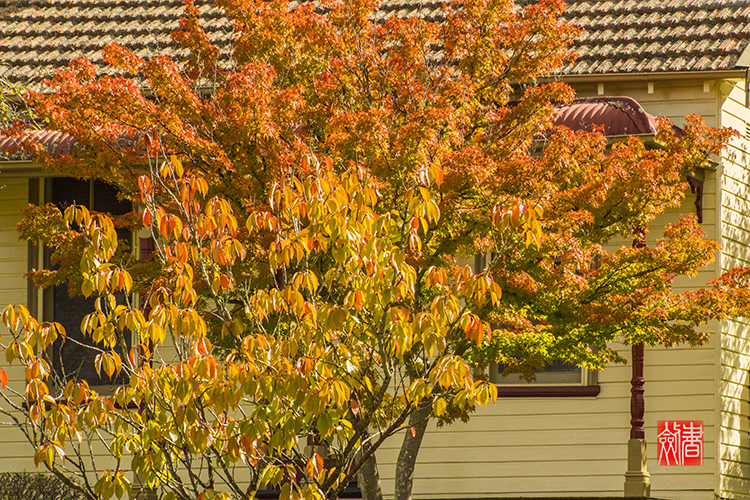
column 67, row 191
column 105, row 200
column 556, row 372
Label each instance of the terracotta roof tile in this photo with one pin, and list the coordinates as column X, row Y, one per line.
column 39, row 36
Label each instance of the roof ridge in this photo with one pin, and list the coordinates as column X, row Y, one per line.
column 76, row 3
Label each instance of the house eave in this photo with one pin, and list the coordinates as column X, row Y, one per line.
column 738, row 73
column 16, row 169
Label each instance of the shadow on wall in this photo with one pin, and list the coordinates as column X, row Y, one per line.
column 735, row 426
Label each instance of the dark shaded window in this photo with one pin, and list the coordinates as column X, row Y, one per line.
column 69, row 357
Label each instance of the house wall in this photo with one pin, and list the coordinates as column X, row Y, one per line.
column 671, row 99
column 16, row 453
column 569, row 447
column 735, row 340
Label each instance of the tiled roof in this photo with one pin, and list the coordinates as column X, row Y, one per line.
column 621, row 36
column 39, row 36
column 643, row 36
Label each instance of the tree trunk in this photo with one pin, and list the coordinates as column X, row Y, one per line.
column 407, row 458
column 368, row 479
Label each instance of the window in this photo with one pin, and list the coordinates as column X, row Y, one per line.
column 69, row 357
column 556, row 379
column 557, row 372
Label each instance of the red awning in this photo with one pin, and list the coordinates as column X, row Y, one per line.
column 55, row 143
column 618, row 116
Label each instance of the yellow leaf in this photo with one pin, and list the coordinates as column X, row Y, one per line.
column 439, row 406
column 177, row 165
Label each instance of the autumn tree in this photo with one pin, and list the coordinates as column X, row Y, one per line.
column 310, row 192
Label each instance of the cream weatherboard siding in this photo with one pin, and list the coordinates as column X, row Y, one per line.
column 671, row 99
column 735, row 342
column 14, row 196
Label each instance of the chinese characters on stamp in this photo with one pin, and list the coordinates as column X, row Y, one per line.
column 680, row 442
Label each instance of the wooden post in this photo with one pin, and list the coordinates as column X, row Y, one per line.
column 637, row 478
column 637, row 401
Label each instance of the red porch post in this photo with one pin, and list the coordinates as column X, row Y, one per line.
column 637, row 478
column 637, row 401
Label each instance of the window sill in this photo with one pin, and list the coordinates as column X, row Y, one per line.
column 549, row 391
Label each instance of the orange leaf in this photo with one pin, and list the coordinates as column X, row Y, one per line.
column 315, row 466
column 202, row 346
